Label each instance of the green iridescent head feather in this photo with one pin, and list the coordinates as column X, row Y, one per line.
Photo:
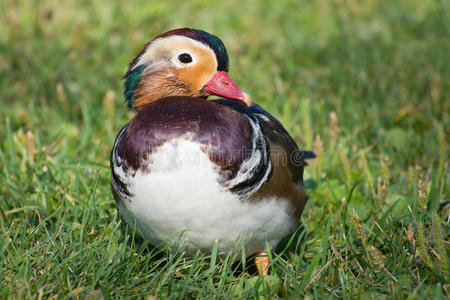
column 216, row 45
column 132, row 79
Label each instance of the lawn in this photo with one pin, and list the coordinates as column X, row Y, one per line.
column 365, row 84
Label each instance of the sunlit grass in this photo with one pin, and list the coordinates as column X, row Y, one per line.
column 364, row 84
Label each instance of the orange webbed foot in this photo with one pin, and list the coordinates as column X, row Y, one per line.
column 262, row 263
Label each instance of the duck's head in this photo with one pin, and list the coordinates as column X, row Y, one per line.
column 181, row 62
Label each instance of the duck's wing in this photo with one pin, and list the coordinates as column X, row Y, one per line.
column 278, row 136
column 286, row 158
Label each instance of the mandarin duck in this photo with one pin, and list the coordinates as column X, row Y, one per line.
column 203, row 171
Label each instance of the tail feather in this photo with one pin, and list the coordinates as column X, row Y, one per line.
column 309, row 154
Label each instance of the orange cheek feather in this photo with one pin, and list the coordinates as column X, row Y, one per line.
column 197, row 76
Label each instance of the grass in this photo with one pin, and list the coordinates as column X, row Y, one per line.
column 365, row 84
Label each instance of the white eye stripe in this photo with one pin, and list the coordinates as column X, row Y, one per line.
column 168, row 45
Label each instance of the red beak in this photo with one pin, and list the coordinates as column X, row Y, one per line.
column 222, row 85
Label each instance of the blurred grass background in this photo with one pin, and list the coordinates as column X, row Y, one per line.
column 365, row 84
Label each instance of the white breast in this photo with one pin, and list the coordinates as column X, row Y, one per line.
column 179, row 198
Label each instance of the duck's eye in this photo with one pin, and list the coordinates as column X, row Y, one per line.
column 185, row 58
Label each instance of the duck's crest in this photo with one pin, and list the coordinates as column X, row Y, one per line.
column 206, row 38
